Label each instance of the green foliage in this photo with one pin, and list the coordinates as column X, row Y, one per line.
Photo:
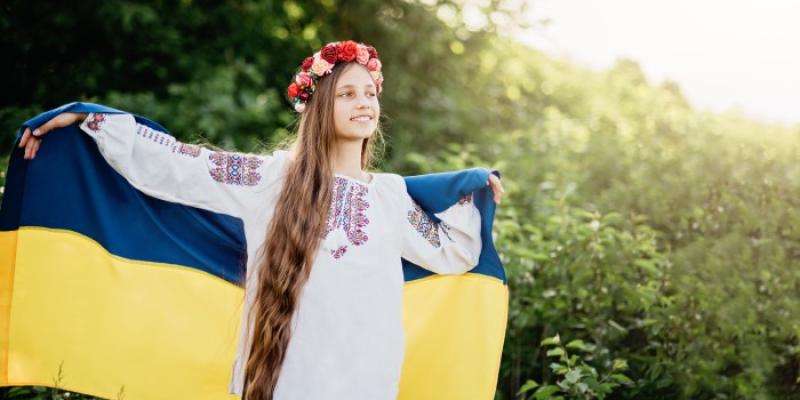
column 55, row 392
column 701, row 206
column 578, row 380
column 663, row 236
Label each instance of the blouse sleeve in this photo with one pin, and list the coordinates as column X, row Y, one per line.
column 160, row 166
column 451, row 246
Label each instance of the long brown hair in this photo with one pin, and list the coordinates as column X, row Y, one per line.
column 294, row 235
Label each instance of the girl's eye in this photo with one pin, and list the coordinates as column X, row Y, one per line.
column 350, row 93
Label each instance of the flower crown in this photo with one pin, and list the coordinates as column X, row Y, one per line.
column 322, row 63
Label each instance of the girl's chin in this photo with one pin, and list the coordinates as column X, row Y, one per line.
column 356, row 135
column 352, row 138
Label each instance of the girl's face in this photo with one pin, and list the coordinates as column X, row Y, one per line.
column 356, row 109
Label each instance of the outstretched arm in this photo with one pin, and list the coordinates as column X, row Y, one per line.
column 451, row 246
column 160, row 166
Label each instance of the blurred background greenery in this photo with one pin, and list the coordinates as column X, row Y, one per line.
column 652, row 250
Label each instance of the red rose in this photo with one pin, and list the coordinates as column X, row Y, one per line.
column 329, row 54
column 348, row 51
column 293, row 90
column 372, row 52
column 307, row 63
column 304, row 95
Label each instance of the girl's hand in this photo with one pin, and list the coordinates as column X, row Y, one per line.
column 31, row 140
column 497, row 187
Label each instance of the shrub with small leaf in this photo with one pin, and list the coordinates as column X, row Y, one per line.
column 575, row 379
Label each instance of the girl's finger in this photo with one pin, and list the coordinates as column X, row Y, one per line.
column 495, row 183
column 25, row 136
column 38, row 132
column 35, row 148
column 27, row 150
column 497, row 187
column 499, row 184
column 59, row 121
column 29, row 147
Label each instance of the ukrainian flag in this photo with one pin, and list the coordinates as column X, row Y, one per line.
column 118, row 292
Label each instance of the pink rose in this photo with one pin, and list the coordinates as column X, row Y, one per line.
column 304, row 80
column 299, row 107
column 320, row 66
column 374, row 64
column 363, row 55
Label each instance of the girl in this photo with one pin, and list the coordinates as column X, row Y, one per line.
column 323, row 294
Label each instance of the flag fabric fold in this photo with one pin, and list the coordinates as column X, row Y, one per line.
column 126, row 292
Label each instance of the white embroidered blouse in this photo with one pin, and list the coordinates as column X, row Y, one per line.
column 347, row 333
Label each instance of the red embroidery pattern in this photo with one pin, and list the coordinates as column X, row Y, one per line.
column 446, row 229
column 424, row 225
column 96, row 121
column 465, row 199
column 338, row 253
column 190, row 150
column 234, row 168
column 348, row 211
column 154, row 136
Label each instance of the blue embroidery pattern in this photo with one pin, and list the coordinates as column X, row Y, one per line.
column 424, row 225
column 348, row 211
column 96, row 121
column 234, row 168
